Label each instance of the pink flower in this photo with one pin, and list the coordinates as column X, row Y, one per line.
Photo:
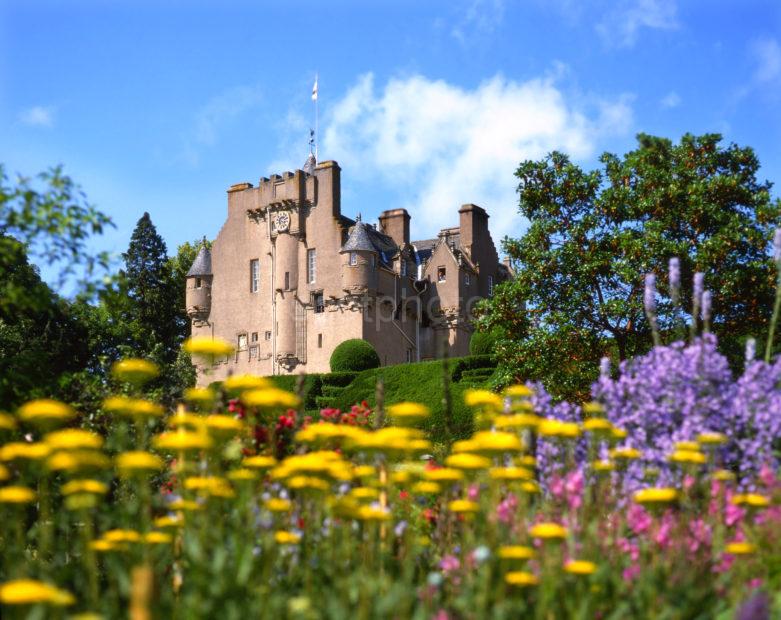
column 700, row 535
column 449, row 563
column 474, row 492
column 506, row 509
column 733, row 514
column 631, row 573
column 662, row 536
column 638, row 519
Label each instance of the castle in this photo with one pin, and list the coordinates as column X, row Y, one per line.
column 289, row 277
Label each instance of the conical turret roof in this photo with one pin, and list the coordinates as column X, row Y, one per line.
column 202, row 265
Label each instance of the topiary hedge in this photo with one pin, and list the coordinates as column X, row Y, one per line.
column 354, row 355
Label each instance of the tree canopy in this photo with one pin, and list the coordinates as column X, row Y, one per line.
column 578, row 290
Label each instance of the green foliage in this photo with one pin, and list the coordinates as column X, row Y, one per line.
column 483, row 342
column 578, row 289
column 354, row 355
column 463, row 364
column 312, row 386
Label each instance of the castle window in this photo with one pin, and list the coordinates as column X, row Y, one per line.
column 254, row 275
column 319, row 341
column 287, row 280
column 254, row 336
column 198, row 283
column 242, row 342
column 267, row 335
column 374, row 261
column 318, row 302
column 311, row 265
column 490, row 286
column 253, row 351
column 353, row 258
column 467, row 280
column 441, row 274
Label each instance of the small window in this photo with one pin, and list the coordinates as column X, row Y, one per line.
column 198, row 283
column 253, row 351
column 311, row 265
column 441, row 274
column 254, row 336
column 242, row 342
column 467, row 279
column 267, row 336
column 353, row 258
column 409, row 355
column 287, row 280
column 254, row 275
column 490, row 286
column 319, row 341
column 403, row 268
column 318, row 303
column 374, row 261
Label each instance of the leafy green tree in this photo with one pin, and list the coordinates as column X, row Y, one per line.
column 178, row 266
column 578, row 290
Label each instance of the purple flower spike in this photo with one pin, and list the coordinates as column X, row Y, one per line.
column 649, row 298
column 707, row 299
column 675, row 277
column 777, row 246
column 604, row 367
column 751, row 350
column 699, row 286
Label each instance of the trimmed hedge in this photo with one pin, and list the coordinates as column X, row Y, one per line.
column 470, row 363
column 354, row 355
column 339, row 379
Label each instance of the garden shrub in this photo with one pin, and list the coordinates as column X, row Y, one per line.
column 354, row 355
column 483, row 342
column 470, row 363
column 339, row 379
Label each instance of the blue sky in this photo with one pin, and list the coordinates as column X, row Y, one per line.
column 160, row 106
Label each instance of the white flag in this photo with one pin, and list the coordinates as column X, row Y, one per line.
column 314, row 91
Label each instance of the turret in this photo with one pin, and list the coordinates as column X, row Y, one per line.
column 198, row 292
column 359, row 261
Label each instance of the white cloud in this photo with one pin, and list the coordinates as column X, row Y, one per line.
column 440, row 145
column 670, row 100
column 214, row 115
column 767, row 55
column 478, row 18
column 622, row 23
column 38, row 116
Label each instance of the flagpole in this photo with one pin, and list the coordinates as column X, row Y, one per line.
column 317, row 103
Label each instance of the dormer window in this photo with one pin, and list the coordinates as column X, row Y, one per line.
column 441, row 274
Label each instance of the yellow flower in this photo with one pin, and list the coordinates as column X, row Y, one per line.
column 625, row 454
column 224, row 424
column 526, row 461
column 133, row 407
column 4, row 473
column 168, row 521
column 45, row 410
column 241, row 383
column 73, row 439
column 260, row 461
column 206, row 347
column 463, row 506
column 182, row 440
column 655, row 496
column 364, row 493
column 182, row 418
column 602, row 466
column 30, row 592
column 740, row 548
column 692, row 446
column 364, row 471
column 286, row 538
column 619, row 434
column 307, row 483
column 93, row 487
column 521, row 578
column 484, row 399
column 519, row 391
column 597, row 426
column 16, row 495
column 104, row 546
column 444, row 474
column 723, row 475
column 211, row 485
column 692, row 457
column 510, row 473
column 77, row 460
column 548, row 531
column 270, row 398
column 754, row 500
column 711, row 439
column 519, row 420
column 593, row 409
column 407, row 413
column 157, row 538
column 278, row 504
column 558, row 429
column 19, row 450
column 138, row 461
column 134, row 370
column 7, row 422
column 122, row 536
column 531, row 487
column 494, row 442
column 185, row 504
column 242, row 474
column 372, row 513
column 516, row 552
column 467, row 461
column 580, row 567
column 200, row 396
column 425, row 487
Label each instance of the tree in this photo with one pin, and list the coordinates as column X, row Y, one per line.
column 594, row 234
column 178, row 266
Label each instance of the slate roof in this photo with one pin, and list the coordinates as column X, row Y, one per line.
column 202, row 265
column 364, row 238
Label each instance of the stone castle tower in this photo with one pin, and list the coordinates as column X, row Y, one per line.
column 289, row 277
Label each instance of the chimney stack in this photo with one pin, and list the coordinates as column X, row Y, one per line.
column 473, row 226
column 395, row 224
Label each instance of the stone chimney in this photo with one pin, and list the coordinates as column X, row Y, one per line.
column 474, row 228
column 395, row 224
